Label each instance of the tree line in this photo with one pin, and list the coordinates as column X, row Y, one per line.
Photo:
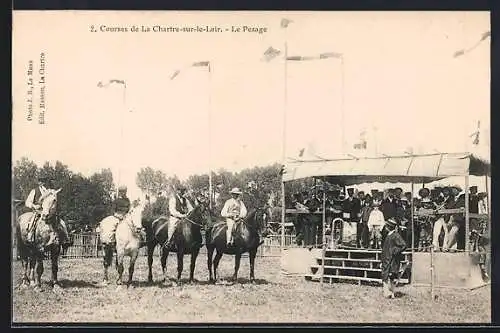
column 84, row 201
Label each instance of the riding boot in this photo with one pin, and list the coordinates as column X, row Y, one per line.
column 53, row 237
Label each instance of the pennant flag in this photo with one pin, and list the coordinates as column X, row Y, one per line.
column 458, row 53
column 362, row 141
column 321, row 56
column 330, row 55
column 194, row 64
column 201, row 64
column 271, row 53
column 485, row 35
column 174, row 74
column 100, row 84
column 301, row 152
column 476, row 135
column 285, row 22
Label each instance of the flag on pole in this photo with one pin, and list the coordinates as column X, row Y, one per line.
column 271, row 53
column 100, row 84
column 194, row 64
column 476, row 135
column 301, row 152
column 326, row 55
column 362, row 141
column 485, row 35
column 285, row 22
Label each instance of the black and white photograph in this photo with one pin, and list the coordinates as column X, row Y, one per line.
column 251, row 167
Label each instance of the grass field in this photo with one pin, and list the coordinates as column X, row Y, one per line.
column 272, row 299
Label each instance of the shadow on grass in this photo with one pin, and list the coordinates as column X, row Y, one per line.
column 77, row 284
column 399, row 294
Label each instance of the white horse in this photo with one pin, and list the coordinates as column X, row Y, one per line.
column 126, row 241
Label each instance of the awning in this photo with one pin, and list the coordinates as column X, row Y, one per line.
column 403, row 169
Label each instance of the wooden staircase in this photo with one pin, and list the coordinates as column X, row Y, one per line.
column 361, row 265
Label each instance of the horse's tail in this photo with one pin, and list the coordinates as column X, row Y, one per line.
column 20, row 246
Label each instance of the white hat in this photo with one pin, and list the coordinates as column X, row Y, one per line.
column 235, row 190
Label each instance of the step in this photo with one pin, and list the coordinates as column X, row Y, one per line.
column 348, row 268
column 314, row 277
column 342, row 277
column 346, row 259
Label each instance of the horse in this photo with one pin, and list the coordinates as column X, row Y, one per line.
column 187, row 239
column 126, row 242
column 246, row 239
column 32, row 251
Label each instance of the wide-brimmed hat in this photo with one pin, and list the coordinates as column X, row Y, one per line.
column 391, row 223
column 424, row 192
column 235, row 190
column 122, row 188
column 455, row 190
column 398, row 190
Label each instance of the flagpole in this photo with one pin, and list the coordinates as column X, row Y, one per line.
column 210, row 184
column 342, row 102
column 124, row 94
column 285, row 106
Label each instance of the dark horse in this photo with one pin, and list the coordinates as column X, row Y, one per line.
column 32, row 247
column 187, row 239
column 246, row 239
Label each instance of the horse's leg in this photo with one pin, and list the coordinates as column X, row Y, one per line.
column 210, row 254
column 39, row 272
column 119, row 266
column 151, row 250
column 252, row 254
column 194, row 255
column 25, row 263
column 180, row 264
column 107, row 260
column 218, row 256
column 54, row 260
column 163, row 259
column 237, row 260
column 32, row 264
column 133, row 258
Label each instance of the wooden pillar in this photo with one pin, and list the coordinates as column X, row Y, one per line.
column 412, row 207
column 283, row 211
column 467, row 222
column 323, row 246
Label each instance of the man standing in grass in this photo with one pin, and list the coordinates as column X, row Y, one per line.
column 392, row 249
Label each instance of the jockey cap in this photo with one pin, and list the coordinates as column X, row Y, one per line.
column 122, row 189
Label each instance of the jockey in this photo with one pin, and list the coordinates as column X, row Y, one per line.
column 233, row 210
column 121, row 205
column 34, row 203
column 178, row 208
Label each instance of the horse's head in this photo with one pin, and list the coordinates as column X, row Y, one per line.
column 256, row 218
column 49, row 204
column 200, row 213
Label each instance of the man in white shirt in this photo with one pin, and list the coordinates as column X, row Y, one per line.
column 483, row 203
column 34, row 202
column 376, row 222
column 178, row 208
column 233, row 210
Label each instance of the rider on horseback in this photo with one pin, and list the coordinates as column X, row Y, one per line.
column 234, row 209
column 34, row 202
column 121, row 205
column 178, row 207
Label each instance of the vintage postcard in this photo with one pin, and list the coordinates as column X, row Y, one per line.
column 251, row 167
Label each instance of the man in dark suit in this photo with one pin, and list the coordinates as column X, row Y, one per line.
column 352, row 211
column 391, row 257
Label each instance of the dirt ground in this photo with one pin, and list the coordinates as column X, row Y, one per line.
column 272, row 299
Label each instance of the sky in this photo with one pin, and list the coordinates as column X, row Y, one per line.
column 401, row 85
